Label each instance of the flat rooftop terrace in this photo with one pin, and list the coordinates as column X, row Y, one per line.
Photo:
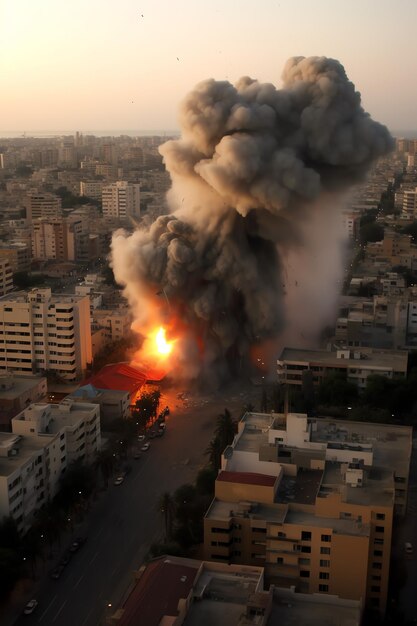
column 391, row 444
column 222, row 510
column 294, row 609
column 394, row 359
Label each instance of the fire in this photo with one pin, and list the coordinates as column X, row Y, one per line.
column 162, row 345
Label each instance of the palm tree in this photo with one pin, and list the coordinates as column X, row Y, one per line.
column 104, row 462
column 225, row 429
column 166, row 506
column 214, row 452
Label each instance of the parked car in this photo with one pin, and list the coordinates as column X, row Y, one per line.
column 408, row 547
column 56, row 573
column 136, row 454
column 162, row 426
column 30, row 607
column 77, row 544
column 118, row 481
column 145, row 447
column 141, row 437
column 152, row 434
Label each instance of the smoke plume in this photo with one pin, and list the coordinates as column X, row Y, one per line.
column 251, row 249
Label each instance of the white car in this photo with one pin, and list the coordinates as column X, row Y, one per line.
column 141, row 437
column 30, row 607
column 118, row 480
column 145, row 447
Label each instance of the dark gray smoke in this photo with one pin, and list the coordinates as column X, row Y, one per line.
column 257, row 178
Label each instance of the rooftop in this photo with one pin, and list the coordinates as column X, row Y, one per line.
column 292, row 609
column 247, row 478
column 158, row 591
column 222, row 510
column 302, row 488
column 18, row 385
column 395, row 359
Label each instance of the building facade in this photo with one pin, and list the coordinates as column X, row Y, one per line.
column 41, row 332
column 313, row 502
column 45, row 439
column 121, row 200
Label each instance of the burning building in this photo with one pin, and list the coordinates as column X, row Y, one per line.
column 252, row 249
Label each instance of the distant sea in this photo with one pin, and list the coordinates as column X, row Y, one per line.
column 49, row 134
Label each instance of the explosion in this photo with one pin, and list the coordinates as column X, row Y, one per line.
column 252, row 249
column 162, row 345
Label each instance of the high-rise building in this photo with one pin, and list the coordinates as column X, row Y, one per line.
column 121, row 199
column 42, row 205
column 312, row 501
column 42, row 332
column 6, row 277
column 57, row 238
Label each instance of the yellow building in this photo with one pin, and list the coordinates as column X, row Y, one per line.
column 312, row 501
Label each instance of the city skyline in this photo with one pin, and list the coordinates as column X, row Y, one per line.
column 94, row 66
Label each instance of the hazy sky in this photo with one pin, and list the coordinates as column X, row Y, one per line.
column 126, row 64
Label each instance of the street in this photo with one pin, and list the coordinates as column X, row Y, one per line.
column 125, row 520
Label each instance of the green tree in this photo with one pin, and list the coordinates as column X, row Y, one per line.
column 335, row 390
column 167, row 508
column 214, row 451
column 205, row 481
column 225, row 429
column 371, row 232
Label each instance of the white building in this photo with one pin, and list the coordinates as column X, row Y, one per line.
column 121, row 199
column 42, row 332
column 46, row 438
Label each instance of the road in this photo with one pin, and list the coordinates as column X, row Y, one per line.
column 125, row 520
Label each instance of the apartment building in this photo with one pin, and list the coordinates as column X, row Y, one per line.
column 18, row 255
column 6, row 277
column 42, row 205
column 357, row 365
column 42, row 332
column 176, row 590
column 116, row 323
column 380, row 322
column 312, row 501
column 45, row 439
column 91, row 189
column 121, row 199
column 17, row 392
column 57, row 238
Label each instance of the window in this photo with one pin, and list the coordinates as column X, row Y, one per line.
column 304, row 561
column 375, row 602
column 324, row 563
column 259, row 530
column 380, row 516
column 306, row 549
column 376, row 588
column 323, row 588
column 324, row 550
column 281, row 534
column 280, row 560
column 326, row 538
column 376, row 578
column 304, row 573
column 305, row 535
column 376, row 565
column 379, row 529
column 324, row 575
column 379, row 542
column 237, row 553
column 378, row 553
column 220, row 530
column 237, row 540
